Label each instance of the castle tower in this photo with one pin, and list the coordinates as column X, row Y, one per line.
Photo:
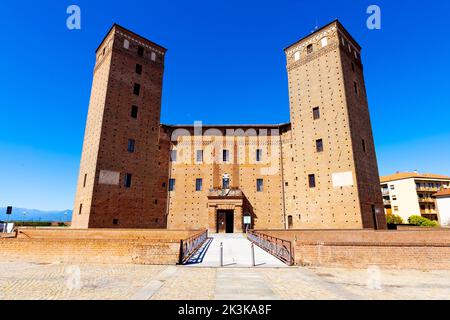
column 334, row 168
column 124, row 168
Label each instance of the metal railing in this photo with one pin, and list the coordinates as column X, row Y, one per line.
column 189, row 246
column 282, row 249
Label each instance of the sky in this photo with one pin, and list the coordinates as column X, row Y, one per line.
column 225, row 64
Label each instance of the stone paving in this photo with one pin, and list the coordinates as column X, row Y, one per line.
column 23, row 280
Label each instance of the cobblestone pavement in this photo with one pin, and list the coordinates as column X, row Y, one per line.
column 23, row 280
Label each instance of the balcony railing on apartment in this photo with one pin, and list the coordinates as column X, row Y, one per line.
column 428, row 189
column 426, row 200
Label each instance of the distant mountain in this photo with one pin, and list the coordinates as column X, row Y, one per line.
column 22, row 214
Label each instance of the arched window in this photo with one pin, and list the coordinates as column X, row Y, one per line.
column 324, row 41
column 297, row 56
column 290, row 222
column 309, row 49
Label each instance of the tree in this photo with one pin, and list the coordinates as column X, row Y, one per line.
column 422, row 222
column 393, row 219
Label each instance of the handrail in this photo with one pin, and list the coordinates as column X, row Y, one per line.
column 190, row 245
column 281, row 249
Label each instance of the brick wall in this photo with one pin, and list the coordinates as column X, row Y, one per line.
column 413, row 249
column 94, row 246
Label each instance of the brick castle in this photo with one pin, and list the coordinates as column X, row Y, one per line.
column 317, row 172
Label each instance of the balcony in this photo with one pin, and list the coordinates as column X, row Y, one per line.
column 385, row 192
column 387, row 202
column 426, row 200
column 427, row 189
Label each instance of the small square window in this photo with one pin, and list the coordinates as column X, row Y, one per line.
column 127, row 183
column 126, row 44
column 172, row 185
column 309, row 49
column 153, row 56
column 319, row 145
column 173, row 156
column 131, row 145
column 312, row 180
column 258, row 155
column 140, row 51
column 198, row 184
column 316, row 113
column 138, row 69
column 115, row 222
column 134, row 112
column 199, row 156
column 259, row 185
column 226, row 155
column 137, row 89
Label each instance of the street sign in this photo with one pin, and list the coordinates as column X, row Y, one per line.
column 9, row 210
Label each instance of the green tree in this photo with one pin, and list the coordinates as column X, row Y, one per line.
column 393, row 219
column 422, row 222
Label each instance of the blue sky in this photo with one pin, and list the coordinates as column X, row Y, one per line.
column 225, row 56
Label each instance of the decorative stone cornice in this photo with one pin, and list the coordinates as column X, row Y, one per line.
column 313, row 39
column 312, row 56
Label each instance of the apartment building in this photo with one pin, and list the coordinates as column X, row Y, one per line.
column 412, row 193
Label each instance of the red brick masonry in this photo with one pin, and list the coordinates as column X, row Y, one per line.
column 423, row 250
column 94, row 246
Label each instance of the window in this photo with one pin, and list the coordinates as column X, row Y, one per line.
column 258, row 155
column 356, row 87
column 137, row 89
column 364, row 145
column 312, row 180
column 309, row 49
column 297, row 56
column 84, row 182
column 138, row 69
column 128, row 180
column 81, row 208
column 225, row 183
column 164, row 184
column 153, row 56
column 198, row 184
column 226, row 155
column 324, row 42
column 172, row 185
column 259, row 185
column 396, row 208
column 173, row 155
column 199, row 156
column 126, row 44
column 394, row 198
column 319, row 145
column 316, row 113
column 290, row 222
column 392, row 187
column 115, row 222
column 286, row 184
column 134, row 112
column 131, row 144
column 140, row 51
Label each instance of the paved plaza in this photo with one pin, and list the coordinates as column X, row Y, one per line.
column 21, row 280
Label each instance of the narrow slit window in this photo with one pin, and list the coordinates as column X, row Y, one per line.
column 319, row 145
column 137, row 89
column 134, row 112
column 131, row 145
column 312, row 181
column 140, row 51
column 259, row 185
column 316, row 113
column 138, row 68
column 127, row 183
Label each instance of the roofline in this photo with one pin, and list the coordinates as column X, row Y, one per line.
column 320, row 29
column 417, row 177
column 133, row 33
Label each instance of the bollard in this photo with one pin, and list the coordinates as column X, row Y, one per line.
column 253, row 255
column 221, row 254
